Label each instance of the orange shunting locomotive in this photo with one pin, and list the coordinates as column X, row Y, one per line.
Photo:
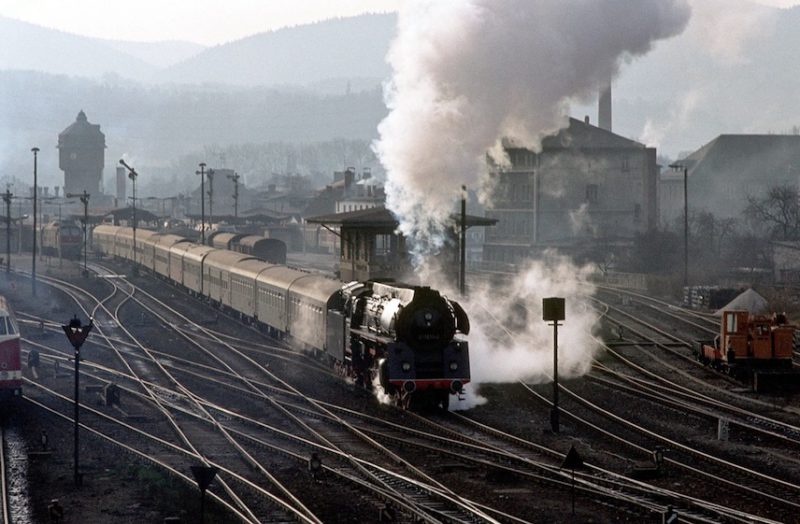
column 752, row 346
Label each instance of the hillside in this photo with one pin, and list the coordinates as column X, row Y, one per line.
column 341, row 48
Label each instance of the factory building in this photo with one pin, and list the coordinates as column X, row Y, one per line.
column 586, row 187
column 81, row 156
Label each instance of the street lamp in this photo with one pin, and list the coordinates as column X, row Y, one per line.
column 553, row 311
column 677, row 167
column 76, row 334
column 235, row 177
column 132, row 174
column 84, row 197
column 35, row 189
column 202, row 174
column 462, row 276
column 210, row 175
column 7, row 199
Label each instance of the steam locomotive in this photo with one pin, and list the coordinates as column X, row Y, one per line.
column 405, row 339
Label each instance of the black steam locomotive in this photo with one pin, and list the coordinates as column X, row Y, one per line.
column 408, row 335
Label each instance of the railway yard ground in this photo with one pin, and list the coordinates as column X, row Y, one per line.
column 502, row 459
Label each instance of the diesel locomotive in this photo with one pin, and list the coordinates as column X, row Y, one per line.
column 408, row 340
column 62, row 239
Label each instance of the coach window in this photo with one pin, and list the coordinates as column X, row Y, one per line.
column 3, row 326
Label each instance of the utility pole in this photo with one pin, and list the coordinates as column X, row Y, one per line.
column 235, row 177
column 76, row 334
column 685, row 220
column 210, row 175
column 7, row 199
column 35, row 190
column 84, row 197
column 202, row 174
column 132, row 174
column 462, row 280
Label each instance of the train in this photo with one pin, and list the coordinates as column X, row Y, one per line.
column 62, row 238
column 753, row 348
column 410, row 341
column 10, row 357
column 269, row 250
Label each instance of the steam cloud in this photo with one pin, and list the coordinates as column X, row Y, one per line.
column 468, row 73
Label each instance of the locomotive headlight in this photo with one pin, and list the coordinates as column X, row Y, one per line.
column 453, row 365
column 406, row 366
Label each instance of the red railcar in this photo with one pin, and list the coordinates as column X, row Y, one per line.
column 10, row 360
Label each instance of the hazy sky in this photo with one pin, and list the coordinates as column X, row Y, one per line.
column 207, row 22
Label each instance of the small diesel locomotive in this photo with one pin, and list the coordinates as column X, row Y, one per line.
column 755, row 348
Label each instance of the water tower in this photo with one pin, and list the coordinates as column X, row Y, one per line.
column 81, row 156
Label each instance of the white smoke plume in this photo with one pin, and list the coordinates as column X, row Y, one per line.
column 509, row 341
column 469, row 73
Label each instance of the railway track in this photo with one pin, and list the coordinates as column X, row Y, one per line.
column 711, row 467
column 495, row 454
column 471, row 512
column 5, row 506
column 280, row 510
column 658, row 388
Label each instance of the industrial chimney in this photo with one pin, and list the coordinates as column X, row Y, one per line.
column 604, row 109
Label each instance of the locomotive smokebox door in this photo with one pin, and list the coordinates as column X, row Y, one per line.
column 553, row 309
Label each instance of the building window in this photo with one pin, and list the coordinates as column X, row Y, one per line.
column 591, row 193
column 637, row 213
column 626, row 166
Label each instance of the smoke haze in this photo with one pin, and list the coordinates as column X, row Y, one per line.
column 469, row 73
column 508, row 339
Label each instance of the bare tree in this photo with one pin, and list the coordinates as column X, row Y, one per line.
column 778, row 210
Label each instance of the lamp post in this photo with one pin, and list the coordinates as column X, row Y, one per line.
column 7, row 199
column 210, row 175
column 132, row 174
column 685, row 220
column 84, row 197
column 76, row 334
column 553, row 310
column 202, row 174
column 462, row 280
column 35, row 190
column 235, row 177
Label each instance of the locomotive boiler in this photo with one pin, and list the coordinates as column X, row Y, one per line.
column 409, row 336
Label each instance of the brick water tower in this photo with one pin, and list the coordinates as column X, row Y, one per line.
column 81, row 156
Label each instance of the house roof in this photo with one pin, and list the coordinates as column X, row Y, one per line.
column 380, row 217
column 126, row 213
column 580, row 135
column 82, row 128
column 747, row 156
